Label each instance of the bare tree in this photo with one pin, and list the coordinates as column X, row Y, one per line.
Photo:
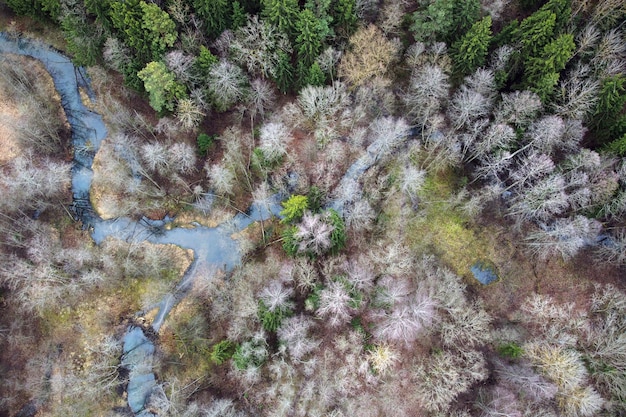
column 257, row 47
column 427, row 92
column 274, row 139
column 227, row 85
column 518, row 108
column 295, row 333
column 189, row 113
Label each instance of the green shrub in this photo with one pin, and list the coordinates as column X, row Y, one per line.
column 338, row 235
column 205, row 142
column 271, row 320
column 510, row 350
column 251, row 353
column 222, row 351
column 294, row 208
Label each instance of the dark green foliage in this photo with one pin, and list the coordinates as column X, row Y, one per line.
column 284, row 72
column 563, row 11
column 507, row 34
column 215, row 15
column 338, row 235
column 344, row 17
column 510, row 350
column 315, row 76
column 609, row 119
column 222, row 352
column 52, row 8
column 100, row 9
column 434, row 22
column 310, row 37
column 470, row 52
column 444, row 20
column 252, row 353
column 39, row 9
column 536, row 31
column 293, row 208
column 283, row 14
column 465, row 14
column 25, row 7
column 205, row 142
column 203, row 62
column 290, row 243
column 271, row 320
column 316, row 197
column 238, row 16
column 144, row 27
column 84, row 39
column 541, row 73
column 618, row 146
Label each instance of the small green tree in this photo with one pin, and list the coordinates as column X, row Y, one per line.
column 215, row 15
column 222, row 352
column 309, row 39
column 238, row 16
column 205, row 142
column 161, row 85
column 315, row 76
column 536, row 31
column 284, row 72
column 470, row 52
column 541, row 73
column 294, row 208
column 203, row 62
column 338, row 235
column 159, row 29
column 609, row 119
column 283, row 14
column 344, row 17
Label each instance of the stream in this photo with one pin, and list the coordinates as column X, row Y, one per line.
column 212, row 247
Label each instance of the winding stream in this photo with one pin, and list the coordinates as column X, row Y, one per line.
column 212, row 247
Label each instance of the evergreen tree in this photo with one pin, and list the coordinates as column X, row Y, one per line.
column 609, row 118
column 315, row 76
column 100, row 9
column 162, row 86
column 536, row 31
column 203, row 62
column 470, row 52
column 283, row 14
column 215, row 15
column 238, row 16
column 144, row 27
column 284, row 72
column 159, row 29
column 542, row 72
column 309, row 39
column 84, row 38
column 344, row 17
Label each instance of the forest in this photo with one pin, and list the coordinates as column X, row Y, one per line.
column 318, row 208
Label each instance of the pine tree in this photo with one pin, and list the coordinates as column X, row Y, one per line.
column 283, row 14
column 470, row 52
column 284, row 72
column 536, row 31
column 609, row 119
column 344, row 17
column 310, row 35
column 162, row 86
column 542, row 72
column 215, row 14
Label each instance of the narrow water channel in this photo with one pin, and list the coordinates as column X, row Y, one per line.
column 211, row 246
